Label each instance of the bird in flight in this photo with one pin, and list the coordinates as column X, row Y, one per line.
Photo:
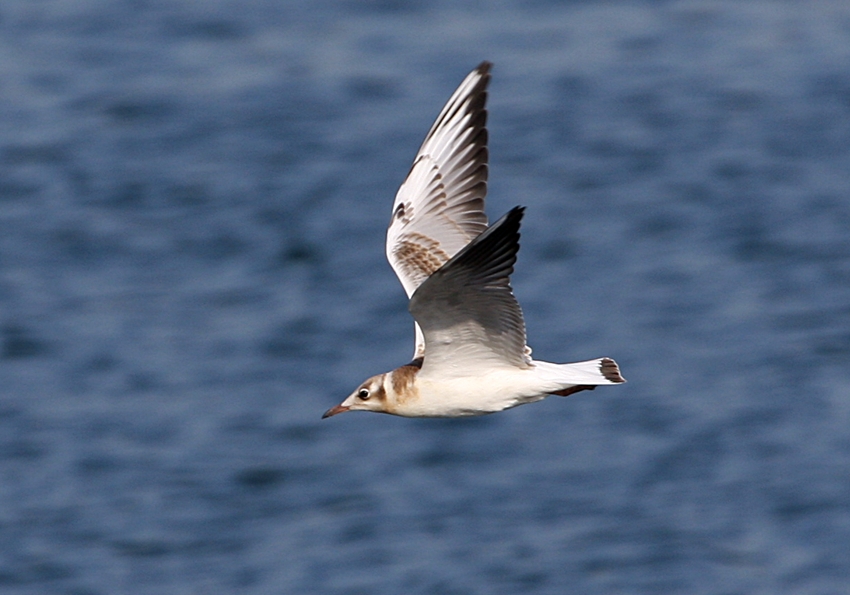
column 470, row 356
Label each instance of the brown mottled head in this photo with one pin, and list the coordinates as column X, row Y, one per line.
column 369, row 396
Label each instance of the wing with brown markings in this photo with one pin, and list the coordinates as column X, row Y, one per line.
column 439, row 208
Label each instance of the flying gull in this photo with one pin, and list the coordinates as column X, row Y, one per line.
column 470, row 355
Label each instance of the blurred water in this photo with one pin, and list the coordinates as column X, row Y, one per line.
column 192, row 205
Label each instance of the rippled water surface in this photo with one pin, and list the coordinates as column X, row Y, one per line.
column 193, row 197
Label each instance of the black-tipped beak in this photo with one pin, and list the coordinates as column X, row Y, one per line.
column 334, row 410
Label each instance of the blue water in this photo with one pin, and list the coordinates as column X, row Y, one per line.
column 193, row 197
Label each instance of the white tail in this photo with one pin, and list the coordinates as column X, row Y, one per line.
column 567, row 379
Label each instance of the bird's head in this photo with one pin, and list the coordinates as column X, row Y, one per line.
column 369, row 396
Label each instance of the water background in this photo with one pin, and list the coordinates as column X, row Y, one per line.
column 193, row 197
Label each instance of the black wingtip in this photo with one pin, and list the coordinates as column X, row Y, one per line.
column 502, row 236
column 484, row 67
column 515, row 213
column 509, row 220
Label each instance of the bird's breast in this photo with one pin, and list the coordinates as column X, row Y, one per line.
column 464, row 396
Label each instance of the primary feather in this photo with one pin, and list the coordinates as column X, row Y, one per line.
column 439, row 208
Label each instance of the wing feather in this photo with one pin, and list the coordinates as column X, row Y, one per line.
column 467, row 309
column 439, row 208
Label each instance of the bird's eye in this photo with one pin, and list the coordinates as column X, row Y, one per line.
column 363, row 393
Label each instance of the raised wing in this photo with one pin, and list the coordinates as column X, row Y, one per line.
column 467, row 309
column 439, row 208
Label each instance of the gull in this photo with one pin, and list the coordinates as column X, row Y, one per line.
column 470, row 355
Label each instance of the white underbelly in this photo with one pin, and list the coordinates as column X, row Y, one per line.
column 456, row 397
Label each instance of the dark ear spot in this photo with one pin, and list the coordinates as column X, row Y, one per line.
column 399, row 211
column 403, row 377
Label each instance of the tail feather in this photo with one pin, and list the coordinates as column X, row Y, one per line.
column 572, row 378
column 610, row 370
